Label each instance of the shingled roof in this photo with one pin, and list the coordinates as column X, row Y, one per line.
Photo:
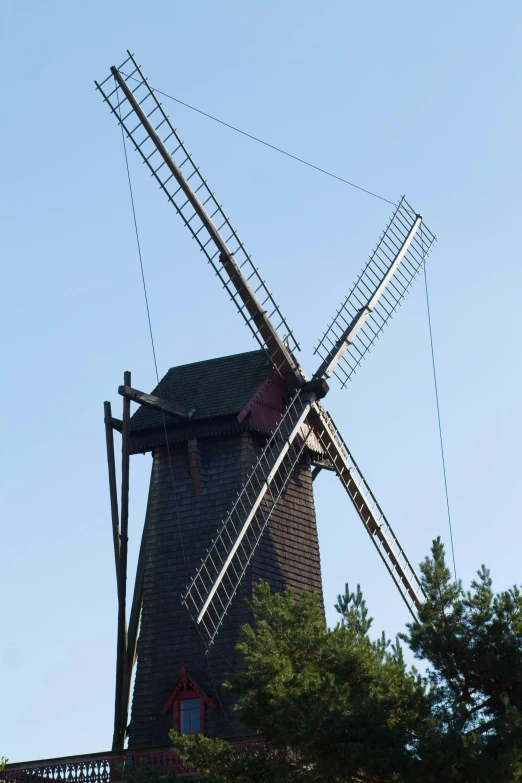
column 216, row 387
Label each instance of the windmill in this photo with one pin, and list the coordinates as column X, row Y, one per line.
column 299, row 435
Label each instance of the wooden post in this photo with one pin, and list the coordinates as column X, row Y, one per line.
column 134, row 624
column 119, row 728
column 112, row 486
column 315, row 472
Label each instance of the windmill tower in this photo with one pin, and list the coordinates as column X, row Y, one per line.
column 236, row 445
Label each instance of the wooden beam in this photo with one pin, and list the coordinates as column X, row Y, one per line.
column 315, row 472
column 112, row 486
column 151, row 401
column 119, row 729
column 371, row 514
column 280, row 354
column 116, row 424
column 318, row 464
column 134, row 624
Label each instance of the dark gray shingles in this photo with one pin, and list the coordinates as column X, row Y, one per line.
column 216, row 387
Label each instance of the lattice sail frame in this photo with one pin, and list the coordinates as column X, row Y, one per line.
column 222, row 258
column 395, row 235
column 216, row 581
column 369, row 510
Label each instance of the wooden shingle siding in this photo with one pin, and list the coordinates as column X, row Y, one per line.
column 287, row 555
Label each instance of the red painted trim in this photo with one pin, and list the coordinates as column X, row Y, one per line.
column 104, row 767
column 186, row 687
column 267, row 404
column 185, row 695
column 201, row 716
column 177, row 717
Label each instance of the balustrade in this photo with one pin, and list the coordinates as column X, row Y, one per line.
column 106, row 767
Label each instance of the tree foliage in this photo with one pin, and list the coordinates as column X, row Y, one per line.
column 336, row 705
column 472, row 642
column 3, row 762
column 144, row 772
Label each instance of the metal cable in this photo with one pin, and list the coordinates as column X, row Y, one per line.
column 267, row 144
column 236, row 729
column 206, row 650
column 439, row 420
column 150, row 332
column 224, row 711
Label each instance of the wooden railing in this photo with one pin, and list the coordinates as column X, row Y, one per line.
column 92, row 767
column 106, row 767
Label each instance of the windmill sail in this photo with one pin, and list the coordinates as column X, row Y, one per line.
column 144, row 121
column 397, row 260
column 374, row 520
column 213, row 587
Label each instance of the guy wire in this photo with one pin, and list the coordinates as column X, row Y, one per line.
column 223, row 710
column 150, row 328
column 207, row 650
column 267, row 144
column 438, row 412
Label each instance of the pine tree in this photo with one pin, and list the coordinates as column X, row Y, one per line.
column 472, row 642
column 335, row 705
column 329, row 703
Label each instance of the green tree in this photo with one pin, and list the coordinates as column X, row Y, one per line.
column 472, row 642
column 145, row 773
column 334, row 705
column 328, row 702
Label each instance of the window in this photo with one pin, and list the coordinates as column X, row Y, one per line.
column 190, row 716
column 188, row 702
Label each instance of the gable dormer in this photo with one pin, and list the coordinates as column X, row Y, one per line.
column 188, row 702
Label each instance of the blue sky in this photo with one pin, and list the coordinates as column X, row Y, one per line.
column 412, row 98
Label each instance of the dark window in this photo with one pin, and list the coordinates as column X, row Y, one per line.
column 190, row 716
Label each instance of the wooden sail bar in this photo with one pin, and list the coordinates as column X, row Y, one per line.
column 214, row 585
column 371, row 514
column 350, row 333
column 380, row 288
column 238, row 275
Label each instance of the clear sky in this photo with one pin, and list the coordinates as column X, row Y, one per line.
column 405, row 97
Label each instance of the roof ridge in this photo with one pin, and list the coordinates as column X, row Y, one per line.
column 211, row 388
column 217, row 359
